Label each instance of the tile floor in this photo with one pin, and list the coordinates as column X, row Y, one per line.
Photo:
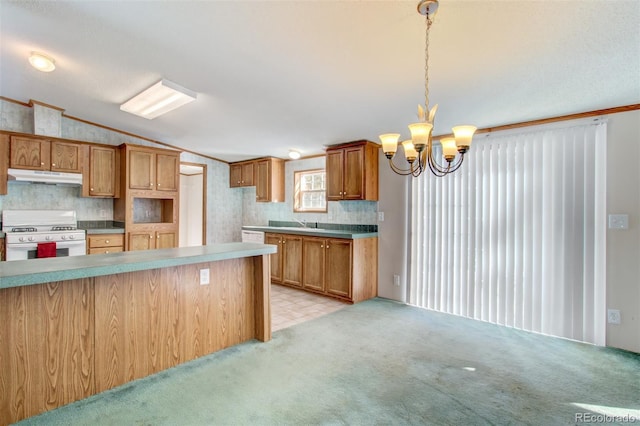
column 290, row 306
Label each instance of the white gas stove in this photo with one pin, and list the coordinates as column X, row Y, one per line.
column 27, row 232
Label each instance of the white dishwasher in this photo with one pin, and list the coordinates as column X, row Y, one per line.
column 252, row 236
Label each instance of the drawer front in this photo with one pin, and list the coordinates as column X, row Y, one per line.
column 106, row 240
column 102, row 250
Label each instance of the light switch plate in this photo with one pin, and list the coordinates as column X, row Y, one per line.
column 204, row 276
column 618, row 221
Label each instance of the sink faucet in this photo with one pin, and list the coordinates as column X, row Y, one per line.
column 301, row 222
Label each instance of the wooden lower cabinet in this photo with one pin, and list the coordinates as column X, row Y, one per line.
column 2, row 255
column 343, row 268
column 152, row 239
column 286, row 265
column 105, row 243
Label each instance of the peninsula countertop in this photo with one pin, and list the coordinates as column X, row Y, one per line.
column 313, row 232
column 37, row 271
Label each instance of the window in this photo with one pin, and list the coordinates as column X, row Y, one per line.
column 310, row 191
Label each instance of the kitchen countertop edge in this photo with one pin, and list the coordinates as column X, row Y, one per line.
column 329, row 233
column 38, row 271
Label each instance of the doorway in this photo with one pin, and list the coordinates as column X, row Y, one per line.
column 193, row 201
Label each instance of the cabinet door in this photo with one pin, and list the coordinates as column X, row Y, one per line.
column 248, row 174
column 141, row 169
column 103, row 176
column 141, row 240
column 313, row 259
column 166, row 239
column 353, row 177
column 292, row 260
column 335, row 170
column 338, row 267
column 275, row 258
column 32, row 154
column 167, row 172
column 66, row 157
column 1, row 249
column 262, row 180
column 235, row 175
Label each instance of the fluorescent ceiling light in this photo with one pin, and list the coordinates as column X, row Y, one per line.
column 42, row 62
column 162, row 97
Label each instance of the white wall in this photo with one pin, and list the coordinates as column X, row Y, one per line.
column 623, row 246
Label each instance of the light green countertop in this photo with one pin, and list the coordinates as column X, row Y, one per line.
column 313, row 232
column 37, row 271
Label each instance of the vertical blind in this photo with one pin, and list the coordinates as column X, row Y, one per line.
column 517, row 236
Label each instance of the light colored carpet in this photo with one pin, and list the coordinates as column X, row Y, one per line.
column 378, row 362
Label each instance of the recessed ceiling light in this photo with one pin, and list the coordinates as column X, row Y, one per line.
column 162, row 97
column 294, row 155
column 42, row 62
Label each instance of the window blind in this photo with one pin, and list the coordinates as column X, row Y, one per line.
column 517, row 236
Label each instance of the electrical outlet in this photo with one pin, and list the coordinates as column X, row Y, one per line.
column 204, row 276
column 396, row 280
column 380, row 216
column 613, row 316
column 618, row 221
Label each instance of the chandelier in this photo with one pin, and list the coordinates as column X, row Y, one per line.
column 418, row 150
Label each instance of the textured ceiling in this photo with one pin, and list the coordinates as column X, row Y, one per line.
column 278, row 75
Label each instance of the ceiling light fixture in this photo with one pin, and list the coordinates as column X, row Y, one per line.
column 162, row 97
column 42, row 62
column 294, row 155
column 418, row 150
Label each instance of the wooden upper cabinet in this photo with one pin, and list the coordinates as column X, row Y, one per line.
column 66, row 157
column 352, row 171
column 141, row 166
column 104, row 173
column 167, row 171
column 45, row 154
column 32, row 154
column 152, row 169
column 4, row 162
column 241, row 174
column 270, row 180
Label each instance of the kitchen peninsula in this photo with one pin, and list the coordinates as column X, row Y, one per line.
column 72, row 327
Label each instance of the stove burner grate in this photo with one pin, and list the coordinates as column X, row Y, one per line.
column 24, row 229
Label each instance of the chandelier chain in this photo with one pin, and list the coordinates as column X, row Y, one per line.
column 428, row 22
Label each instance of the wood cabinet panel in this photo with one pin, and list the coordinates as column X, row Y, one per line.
column 47, row 351
column 141, row 169
column 352, row 171
column 159, row 318
column 166, row 239
column 105, row 243
column 270, row 180
column 276, row 258
column 66, row 157
column 334, row 169
column 2, row 250
column 167, row 172
column 4, row 162
column 104, row 172
column 286, row 264
column 313, row 261
column 28, row 153
column 242, row 174
column 338, row 267
column 141, row 240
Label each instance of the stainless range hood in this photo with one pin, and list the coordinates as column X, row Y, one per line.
column 40, row 176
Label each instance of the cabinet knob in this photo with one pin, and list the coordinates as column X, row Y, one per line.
column 92, row 189
column 106, row 251
column 107, row 241
column 53, row 164
column 158, row 237
column 150, row 236
column 42, row 164
column 321, row 246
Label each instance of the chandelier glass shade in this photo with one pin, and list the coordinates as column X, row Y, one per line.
column 419, row 150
